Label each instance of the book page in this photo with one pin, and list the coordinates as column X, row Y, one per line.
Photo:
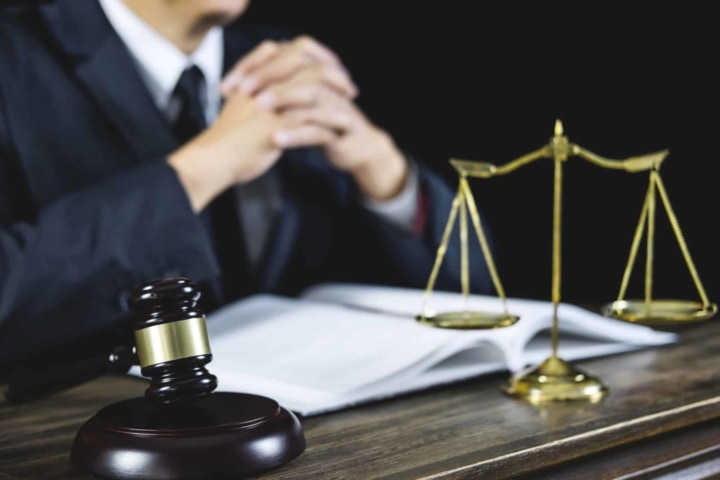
column 315, row 356
column 602, row 335
column 318, row 349
column 408, row 301
column 344, row 344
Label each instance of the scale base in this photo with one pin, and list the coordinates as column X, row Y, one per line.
column 660, row 313
column 220, row 435
column 555, row 380
column 468, row 320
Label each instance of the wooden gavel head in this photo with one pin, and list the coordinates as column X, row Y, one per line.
column 171, row 340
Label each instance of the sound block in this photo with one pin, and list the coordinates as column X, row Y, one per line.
column 218, row 435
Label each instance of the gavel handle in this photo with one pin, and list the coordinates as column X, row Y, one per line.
column 40, row 379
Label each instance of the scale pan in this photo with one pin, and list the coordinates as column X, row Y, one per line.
column 468, row 320
column 659, row 313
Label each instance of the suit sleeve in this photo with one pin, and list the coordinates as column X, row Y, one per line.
column 77, row 261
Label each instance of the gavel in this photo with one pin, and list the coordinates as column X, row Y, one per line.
column 181, row 428
column 171, row 340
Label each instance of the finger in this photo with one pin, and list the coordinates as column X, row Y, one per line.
column 290, row 59
column 305, row 87
column 279, row 68
column 338, row 120
column 303, row 136
column 293, row 69
column 339, row 80
column 314, row 49
column 289, row 96
column 259, row 55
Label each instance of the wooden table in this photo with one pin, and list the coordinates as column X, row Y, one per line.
column 662, row 415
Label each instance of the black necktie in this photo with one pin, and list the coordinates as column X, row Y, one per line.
column 220, row 216
column 188, row 92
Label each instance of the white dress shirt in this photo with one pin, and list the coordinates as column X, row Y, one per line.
column 161, row 63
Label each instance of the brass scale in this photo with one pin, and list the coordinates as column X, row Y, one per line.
column 556, row 379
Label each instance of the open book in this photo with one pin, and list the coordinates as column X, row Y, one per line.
column 339, row 345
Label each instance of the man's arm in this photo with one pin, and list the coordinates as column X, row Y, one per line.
column 78, row 260
column 306, row 82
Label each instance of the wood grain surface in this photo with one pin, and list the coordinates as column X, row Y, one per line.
column 662, row 413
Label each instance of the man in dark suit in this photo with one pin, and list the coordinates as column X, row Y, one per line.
column 105, row 182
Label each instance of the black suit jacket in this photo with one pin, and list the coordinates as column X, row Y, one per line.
column 89, row 208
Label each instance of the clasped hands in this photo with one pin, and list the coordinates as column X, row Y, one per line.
column 283, row 95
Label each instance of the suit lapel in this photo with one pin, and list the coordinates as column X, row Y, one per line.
column 106, row 71
column 114, row 83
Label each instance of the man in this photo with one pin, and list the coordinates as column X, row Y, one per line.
column 106, row 183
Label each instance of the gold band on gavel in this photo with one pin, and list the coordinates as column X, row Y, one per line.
column 171, row 341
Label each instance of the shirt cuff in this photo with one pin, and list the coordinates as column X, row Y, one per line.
column 401, row 210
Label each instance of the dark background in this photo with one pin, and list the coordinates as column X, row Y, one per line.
column 487, row 82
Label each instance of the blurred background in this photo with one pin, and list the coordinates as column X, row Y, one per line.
column 462, row 79
column 486, row 81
